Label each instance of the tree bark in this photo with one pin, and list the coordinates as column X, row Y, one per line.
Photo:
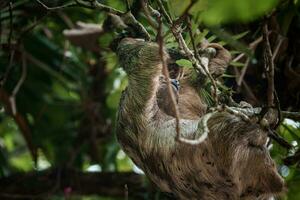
column 42, row 184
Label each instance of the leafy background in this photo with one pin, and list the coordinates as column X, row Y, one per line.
column 66, row 106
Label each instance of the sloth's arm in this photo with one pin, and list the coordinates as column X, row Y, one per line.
column 143, row 65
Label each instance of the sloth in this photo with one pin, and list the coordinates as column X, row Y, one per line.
column 232, row 163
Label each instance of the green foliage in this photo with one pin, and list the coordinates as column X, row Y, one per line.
column 177, row 7
column 214, row 12
column 184, row 63
column 224, row 11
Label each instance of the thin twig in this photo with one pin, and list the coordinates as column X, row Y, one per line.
column 176, row 30
column 88, row 4
column 276, row 50
column 291, row 131
column 201, row 66
column 278, row 107
column 152, row 10
column 204, row 133
column 32, row 26
column 23, row 76
column 240, row 56
column 72, row 4
column 96, row 5
column 269, row 66
column 148, row 11
column 291, row 160
column 246, row 86
column 10, row 25
column 185, row 13
column 291, row 115
column 126, row 192
column 128, row 5
column 252, row 46
column 18, row 86
column 66, row 19
column 164, row 12
column 232, row 111
column 165, row 72
column 276, row 137
column 21, row 121
column 196, row 52
column 243, row 72
column 11, row 59
column 127, row 17
column 11, row 51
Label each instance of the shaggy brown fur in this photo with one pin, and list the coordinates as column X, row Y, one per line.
column 232, row 163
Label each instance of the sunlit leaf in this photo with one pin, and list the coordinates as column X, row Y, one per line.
column 178, row 6
column 224, row 11
column 237, row 64
column 184, row 63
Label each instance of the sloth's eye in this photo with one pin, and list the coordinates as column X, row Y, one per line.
column 175, row 84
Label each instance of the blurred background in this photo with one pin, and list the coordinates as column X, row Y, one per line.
column 60, row 85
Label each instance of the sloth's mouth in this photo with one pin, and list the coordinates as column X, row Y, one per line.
column 175, row 84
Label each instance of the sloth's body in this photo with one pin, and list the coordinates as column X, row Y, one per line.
column 232, row 163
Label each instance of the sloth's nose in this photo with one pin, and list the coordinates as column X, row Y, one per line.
column 175, row 83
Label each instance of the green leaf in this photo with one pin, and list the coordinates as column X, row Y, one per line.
column 235, row 37
column 240, row 35
column 113, row 99
column 234, row 52
column 199, row 7
column 237, row 64
column 228, row 76
column 177, row 7
column 228, row 38
column 200, row 36
column 184, row 63
column 227, row 11
column 211, row 38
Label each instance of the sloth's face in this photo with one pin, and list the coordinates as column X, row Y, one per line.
column 163, row 97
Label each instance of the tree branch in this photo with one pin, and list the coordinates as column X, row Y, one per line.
column 149, row 11
column 164, row 12
column 291, row 160
column 72, row 4
column 291, row 115
column 96, row 5
column 165, row 72
column 21, row 121
column 206, row 61
column 11, row 51
column 276, row 137
column 10, row 25
column 127, row 17
column 40, row 184
column 170, row 91
column 18, row 86
column 200, row 64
